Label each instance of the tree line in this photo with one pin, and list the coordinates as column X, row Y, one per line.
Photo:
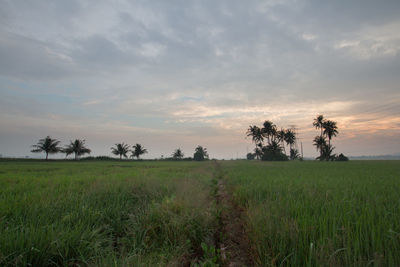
column 49, row 145
column 270, row 143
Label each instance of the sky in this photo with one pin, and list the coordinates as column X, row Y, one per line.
column 177, row 74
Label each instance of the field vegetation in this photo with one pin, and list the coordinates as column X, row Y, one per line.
column 105, row 213
column 168, row 213
column 320, row 214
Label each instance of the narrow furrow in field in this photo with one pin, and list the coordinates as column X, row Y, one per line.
column 232, row 240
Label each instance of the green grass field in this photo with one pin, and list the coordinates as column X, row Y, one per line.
column 104, row 213
column 321, row 213
column 115, row 213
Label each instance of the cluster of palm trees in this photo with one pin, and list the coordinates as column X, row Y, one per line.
column 270, row 142
column 322, row 142
column 123, row 149
column 49, row 145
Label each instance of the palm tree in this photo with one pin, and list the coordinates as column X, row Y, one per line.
column 269, row 131
column 281, row 138
column 256, row 134
column 138, row 150
column 290, row 138
column 77, row 147
column 120, row 150
column 320, row 142
column 319, row 122
column 178, row 154
column 47, row 145
column 330, row 129
column 200, row 153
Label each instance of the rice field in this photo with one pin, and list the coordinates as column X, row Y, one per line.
column 104, row 213
column 149, row 213
column 320, row 213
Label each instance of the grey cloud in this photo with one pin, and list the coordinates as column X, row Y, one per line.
column 26, row 58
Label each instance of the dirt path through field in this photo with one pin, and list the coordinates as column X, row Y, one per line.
column 233, row 242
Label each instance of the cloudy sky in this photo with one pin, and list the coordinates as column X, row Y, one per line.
column 171, row 74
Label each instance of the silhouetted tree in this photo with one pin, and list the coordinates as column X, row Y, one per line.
column 281, row 138
column 76, row 147
column 256, row 134
column 269, row 131
column 138, row 150
column 120, row 150
column 290, row 138
column 319, row 122
column 200, row 153
column 178, row 154
column 47, row 145
column 330, row 129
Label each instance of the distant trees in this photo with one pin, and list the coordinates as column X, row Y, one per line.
column 77, row 148
column 178, row 154
column 138, row 150
column 328, row 130
column 274, row 147
column 47, row 145
column 120, row 150
column 200, row 153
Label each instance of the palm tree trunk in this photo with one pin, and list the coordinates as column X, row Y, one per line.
column 120, row 156
column 75, row 156
column 47, row 155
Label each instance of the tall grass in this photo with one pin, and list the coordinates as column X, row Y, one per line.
column 321, row 214
column 104, row 213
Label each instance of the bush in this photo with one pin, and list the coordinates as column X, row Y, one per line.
column 271, row 155
column 342, row 157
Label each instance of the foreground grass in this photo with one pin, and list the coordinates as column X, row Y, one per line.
column 105, row 213
column 317, row 213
